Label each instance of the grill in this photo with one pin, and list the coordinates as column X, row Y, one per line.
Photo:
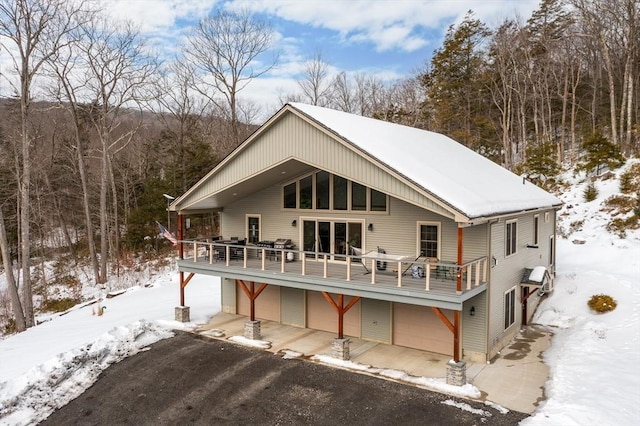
column 282, row 244
column 268, row 244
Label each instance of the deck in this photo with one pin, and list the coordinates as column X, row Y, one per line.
column 358, row 276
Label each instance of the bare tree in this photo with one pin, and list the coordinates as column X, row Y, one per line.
column 315, row 84
column 37, row 29
column 116, row 76
column 343, row 94
column 178, row 108
column 224, row 51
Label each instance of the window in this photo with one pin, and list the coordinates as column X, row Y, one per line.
column 290, row 195
column 253, row 229
column 509, row 307
column 339, row 193
column 511, row 237
column 536, row 227
column 378, row 201
column 306, row 192
column 358, row 196
column 428, row 240
column 322, row 191
column 552, row 250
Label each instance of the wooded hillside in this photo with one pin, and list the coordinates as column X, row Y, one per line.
column 98, row 128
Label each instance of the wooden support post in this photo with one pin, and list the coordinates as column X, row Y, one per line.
column 454, row 328
column 340, row 309
column 252, row 294
column 459, row 268
column 183, row 284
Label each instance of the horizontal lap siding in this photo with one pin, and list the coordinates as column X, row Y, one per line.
column 395, row 232
column 474, row 329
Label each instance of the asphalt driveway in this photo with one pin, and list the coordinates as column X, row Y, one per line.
column 190, row 379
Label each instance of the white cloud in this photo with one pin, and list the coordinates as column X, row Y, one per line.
column 406, row 25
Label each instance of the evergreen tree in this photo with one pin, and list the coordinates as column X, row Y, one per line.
column 599, row 152
column 456, row 92
column 541, row 167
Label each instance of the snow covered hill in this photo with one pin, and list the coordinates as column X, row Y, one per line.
column 593, row 360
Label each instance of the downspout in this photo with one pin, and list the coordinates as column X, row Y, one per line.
column 490, row 260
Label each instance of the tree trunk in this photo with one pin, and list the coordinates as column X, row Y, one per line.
column 25, row 187
column 18, row 313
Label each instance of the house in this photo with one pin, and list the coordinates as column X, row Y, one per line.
column 365, row 228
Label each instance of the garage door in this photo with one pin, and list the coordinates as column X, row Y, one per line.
column 322, row 316
column 292, row 306
column 376, row 320
column 267, row 304
column 419, row 327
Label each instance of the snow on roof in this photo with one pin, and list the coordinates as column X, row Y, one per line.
column 469, row 182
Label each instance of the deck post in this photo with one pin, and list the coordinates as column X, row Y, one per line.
column 459, row 269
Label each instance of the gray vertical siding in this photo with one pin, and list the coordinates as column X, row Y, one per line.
column 292, row 137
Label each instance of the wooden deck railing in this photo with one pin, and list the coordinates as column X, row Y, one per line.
column 399, row 273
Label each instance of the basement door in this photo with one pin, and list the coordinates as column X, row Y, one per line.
column 376, row 320
column 292, row 306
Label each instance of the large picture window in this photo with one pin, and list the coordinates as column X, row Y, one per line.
column 509, row 307
column 358, row 196
column 290, row 196
column 306, row 192
column 340, row 193
column 511, row 237
column 324, row 191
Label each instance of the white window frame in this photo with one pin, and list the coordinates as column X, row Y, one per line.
column 314, row 208
column 513, row 240
column 509, row 311
column 552, row 250
column 246, row 225
column 536, row 229
column 418, row 240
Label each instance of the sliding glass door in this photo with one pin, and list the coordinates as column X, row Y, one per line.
column 330, row 237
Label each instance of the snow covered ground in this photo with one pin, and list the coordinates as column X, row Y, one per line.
column 594, row 359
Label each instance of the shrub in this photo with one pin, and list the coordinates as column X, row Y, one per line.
column 59, row 305
column 602, row 303
column 590, row 192
column 630, row 180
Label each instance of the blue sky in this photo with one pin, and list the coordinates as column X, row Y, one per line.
column 388, row 39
